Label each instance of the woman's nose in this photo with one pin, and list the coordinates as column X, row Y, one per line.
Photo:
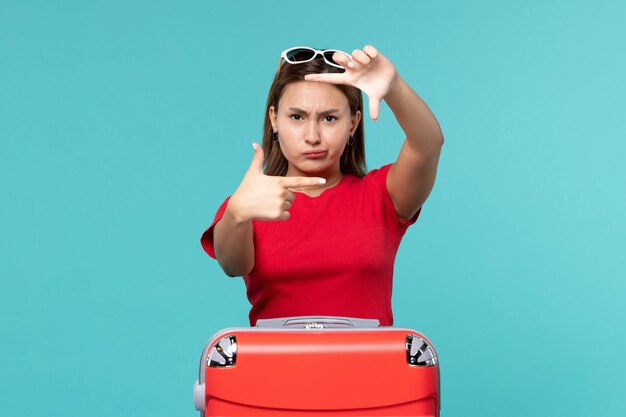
column 312, row 135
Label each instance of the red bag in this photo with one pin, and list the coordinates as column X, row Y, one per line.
column 318, row 366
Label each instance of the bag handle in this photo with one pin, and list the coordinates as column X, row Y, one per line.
column 317, row 322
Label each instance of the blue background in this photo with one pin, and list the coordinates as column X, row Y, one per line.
column 124, row 124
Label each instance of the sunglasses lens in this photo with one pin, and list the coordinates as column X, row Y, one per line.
column 300, row 55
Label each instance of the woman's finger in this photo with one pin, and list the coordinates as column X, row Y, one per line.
column 285, row 215
column 374, row 105
column 371, row 51
column 332, row 78
column 361, row 57
column 342, row 59
column 298, row 182
column 289, row 195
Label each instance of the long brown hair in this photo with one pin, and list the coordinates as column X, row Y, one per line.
column 352, row 160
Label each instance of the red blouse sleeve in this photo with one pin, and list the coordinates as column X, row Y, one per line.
column 207, row 237
column 379, row 177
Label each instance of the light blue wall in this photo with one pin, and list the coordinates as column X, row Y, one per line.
column 124, row 124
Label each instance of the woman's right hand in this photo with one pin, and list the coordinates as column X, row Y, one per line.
column 265, row 197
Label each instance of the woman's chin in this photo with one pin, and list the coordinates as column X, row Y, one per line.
column 315, row 166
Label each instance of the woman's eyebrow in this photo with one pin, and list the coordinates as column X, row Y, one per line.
column 305, row 112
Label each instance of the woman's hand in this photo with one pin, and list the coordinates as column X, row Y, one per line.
column 368, row 70
column 264, row 197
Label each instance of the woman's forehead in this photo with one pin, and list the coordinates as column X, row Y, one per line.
column 313, row 95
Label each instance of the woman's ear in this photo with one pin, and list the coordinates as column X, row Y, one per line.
column 272, row 115
column 356, row 119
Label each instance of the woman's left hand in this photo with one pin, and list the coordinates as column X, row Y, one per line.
column 369, row 70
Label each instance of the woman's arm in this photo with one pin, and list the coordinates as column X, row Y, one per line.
column 234, row 248
column 260, row 197
column 411, row 178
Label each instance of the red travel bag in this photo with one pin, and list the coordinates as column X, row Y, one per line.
column 318, row 366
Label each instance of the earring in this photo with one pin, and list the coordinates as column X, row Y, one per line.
column 351, row 142
column 275, row 136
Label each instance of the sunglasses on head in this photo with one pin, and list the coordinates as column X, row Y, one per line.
column 302, row 54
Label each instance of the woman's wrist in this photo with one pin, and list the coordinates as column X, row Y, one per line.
column 234, row 214
column 394, row 87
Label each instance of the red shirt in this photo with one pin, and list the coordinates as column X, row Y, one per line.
column 334, row 256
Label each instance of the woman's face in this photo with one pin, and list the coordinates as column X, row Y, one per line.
column 313, row 117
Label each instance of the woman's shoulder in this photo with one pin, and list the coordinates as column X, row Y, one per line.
column 375, row 176
column 381, row 170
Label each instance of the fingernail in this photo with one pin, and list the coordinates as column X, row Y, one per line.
column 350, row 64
column 254, row 146
column 322, row 181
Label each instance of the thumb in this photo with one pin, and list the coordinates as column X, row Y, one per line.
column 374, row 105
column 257, row 160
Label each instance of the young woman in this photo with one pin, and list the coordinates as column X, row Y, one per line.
column 310, row 231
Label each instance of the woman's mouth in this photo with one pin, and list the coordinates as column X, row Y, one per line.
column 315, row 154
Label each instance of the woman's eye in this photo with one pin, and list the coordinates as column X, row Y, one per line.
column 296, row 116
